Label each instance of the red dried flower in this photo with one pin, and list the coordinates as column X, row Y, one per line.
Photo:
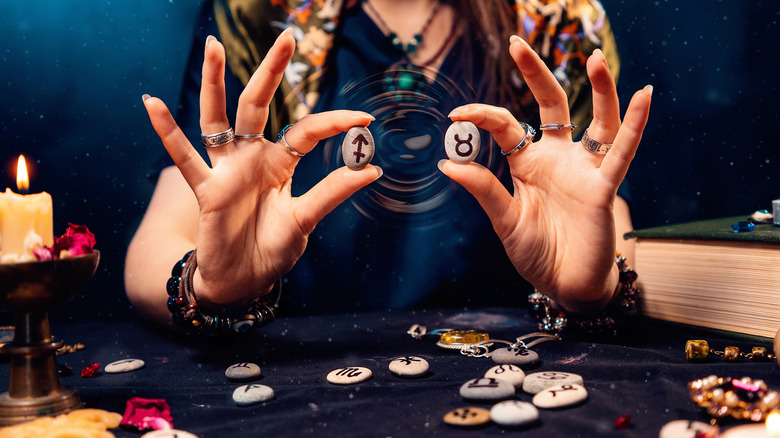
column 76, row 241
column 145, row 413
column 90, row 370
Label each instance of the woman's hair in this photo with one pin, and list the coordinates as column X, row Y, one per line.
column 489, row 27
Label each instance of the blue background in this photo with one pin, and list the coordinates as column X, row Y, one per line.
column 72, row 74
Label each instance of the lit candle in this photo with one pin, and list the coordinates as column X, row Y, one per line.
column 25, row 220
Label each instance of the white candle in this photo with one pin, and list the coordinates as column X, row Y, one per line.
column 25, row 220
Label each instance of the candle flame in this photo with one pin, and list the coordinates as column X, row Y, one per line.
column 22, row 180
column 773, row 422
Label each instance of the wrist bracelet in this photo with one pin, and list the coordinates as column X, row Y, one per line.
column 624, row 301
column 186, row 313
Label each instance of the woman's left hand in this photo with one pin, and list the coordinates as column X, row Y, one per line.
column 558, row 227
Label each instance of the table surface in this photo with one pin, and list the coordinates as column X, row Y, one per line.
column 641, row 373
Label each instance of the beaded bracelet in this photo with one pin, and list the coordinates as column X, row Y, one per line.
column 552, row 320
column 698, row 350
column 186, row 313
column 743, row 399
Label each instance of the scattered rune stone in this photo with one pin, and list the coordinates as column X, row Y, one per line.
column 467, row 416
column 252, row 393
column 243, row 371
column 462, row 142
column 536, row 382
column 560, row 396
column 124, row 365
column 522, row 357
column 358, row 147
column 510, row 373
column 685, row 429
column 409, row 366
column 349, row 375
column 168, row 433
column 487, row 389
column 514, row 413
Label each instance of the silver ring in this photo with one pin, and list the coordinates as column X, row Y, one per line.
column 249, row 136
column 286, row 145
column 530, row 133
column 556, row 126
column 595, row 146
column 218, row 139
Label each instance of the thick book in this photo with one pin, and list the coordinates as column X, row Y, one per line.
column 704, row 274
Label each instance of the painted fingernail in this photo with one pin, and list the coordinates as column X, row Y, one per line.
column 146, row 97
column 649, row 89
column 514, row 38
column 287, row 31
column 440, row 164
column 379, row 172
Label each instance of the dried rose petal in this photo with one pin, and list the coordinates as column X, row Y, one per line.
column 623, row 422
column 76, row 241
column 90, row 370
column 139, row 411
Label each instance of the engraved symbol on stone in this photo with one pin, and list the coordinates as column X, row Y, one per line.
column 407, row 360
column 464, row 413
column 552, row 376
column 360, row 141
column 241, row 365
column 504, row 368
column 120, row 362
column 491, row 383
column 349, row 372
column 459, row 143
column 562, row 389
column 252, row 386
column 520, row 351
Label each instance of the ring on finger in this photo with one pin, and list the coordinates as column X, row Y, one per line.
column 595, row 146
column 281, row 137
column 556, row 126
column 250, row 136
column 530, row 133
column 218, row 139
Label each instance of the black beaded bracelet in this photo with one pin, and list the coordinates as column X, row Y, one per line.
column 552, row 320
column 186, row 313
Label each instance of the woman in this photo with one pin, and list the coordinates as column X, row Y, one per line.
column 407, row 237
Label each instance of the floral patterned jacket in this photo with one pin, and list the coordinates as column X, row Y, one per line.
column 563, row 32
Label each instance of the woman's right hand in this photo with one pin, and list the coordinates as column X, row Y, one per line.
column 251, row 231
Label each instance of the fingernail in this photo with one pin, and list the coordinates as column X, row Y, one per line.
column 514, row 38
column 209, row 39
column 379, row 172
column 457, row 112
column 649, row 89
column 363, row 115
column 440, row 164
column 145, row 97
column 287, row 31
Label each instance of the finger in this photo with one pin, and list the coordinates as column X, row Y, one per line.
column 500, row 206
column 304, row 135
column 553, row 104
column 606, row 106
column 254, row 100
column 334, row 189
column 616, row 162
column 501, row 124
column 186, row 158
column 213, row 116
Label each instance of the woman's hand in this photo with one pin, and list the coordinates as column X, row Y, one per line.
column 558, row 227
column 251, row 231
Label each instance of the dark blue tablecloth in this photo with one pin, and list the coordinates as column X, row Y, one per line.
column 642, row 373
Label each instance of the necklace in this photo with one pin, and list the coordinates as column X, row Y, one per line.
column 405, row 78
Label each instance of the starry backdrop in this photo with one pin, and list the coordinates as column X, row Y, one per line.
column 72, row 75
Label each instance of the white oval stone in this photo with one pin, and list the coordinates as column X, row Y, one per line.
column 243, row 371
column 522, row 357
column 748, row 431
column 168, row 433
column 349, row 375
column 252, row 393
column 683, row 429
column 510, row 373
column 514, row 413
column 536, row 382
column 409, row 366
column 487, row 388
column 124, row 365
column 358, row 147
column 462, row 142
column 560, row 396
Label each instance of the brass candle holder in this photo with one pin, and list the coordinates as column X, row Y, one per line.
column 29, row 290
